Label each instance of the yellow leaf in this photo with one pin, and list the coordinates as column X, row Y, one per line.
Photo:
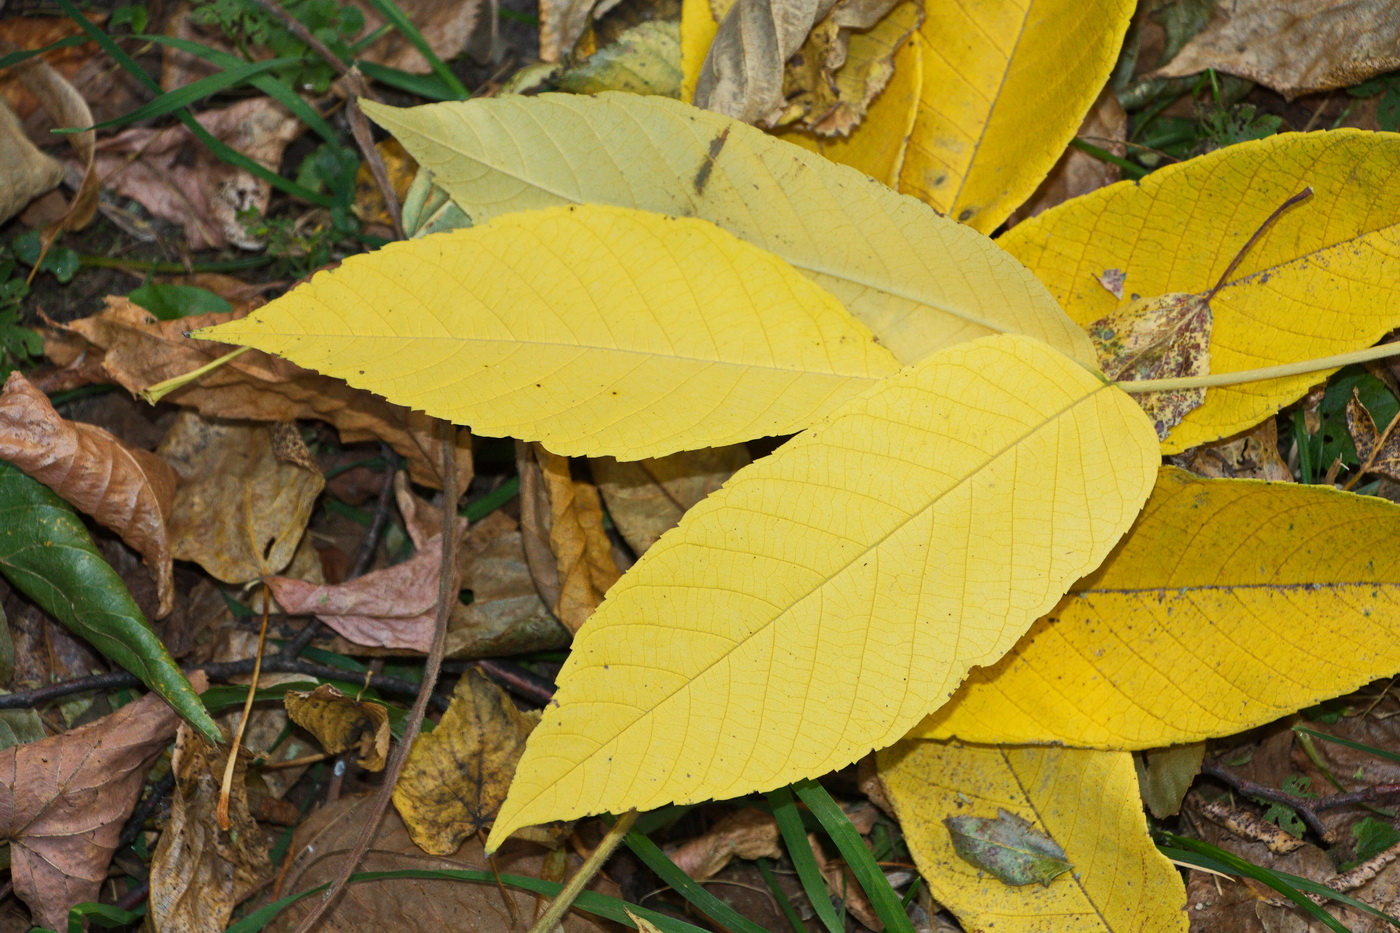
column 1230, row 603
column 831, row 594
column 919, row 281
column 989, row 71
column 595, row 330
column 1321, row 280
column 1086, row 801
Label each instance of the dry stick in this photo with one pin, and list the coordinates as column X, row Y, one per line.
column 446, row 598
column 226, row 788
column 586, row 873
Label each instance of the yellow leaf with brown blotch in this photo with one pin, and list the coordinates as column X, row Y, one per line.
column 1085, row 801
column 833, row 593
column 1195, row 624
column 1322, row 279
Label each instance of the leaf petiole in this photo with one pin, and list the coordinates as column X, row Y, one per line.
column 1216, row 380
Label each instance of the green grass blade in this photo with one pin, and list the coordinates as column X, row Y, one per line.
column 391, row 12
column 15, row 58
column 427, row 86
column 789, row 821
column 221, row 149
column 275, row 88
column 872, row 879
column 182, row 97
column 785, row 903
column 703, row 901
column 1347, row 743
column 47, row 554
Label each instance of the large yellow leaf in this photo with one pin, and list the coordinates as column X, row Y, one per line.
column 599, row 331
column 919, row 281
column 833, row 593
column 990, row 71
column 1230, row 603
column 1086, row 801
column 1323, row 279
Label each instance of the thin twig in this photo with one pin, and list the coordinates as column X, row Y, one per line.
column 447, row 583
column 1309, row 808
column 226, row 788
column 370, row 545
column 517, row 680
column 145, row 809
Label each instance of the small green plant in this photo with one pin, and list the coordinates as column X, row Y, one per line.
column 250, row 25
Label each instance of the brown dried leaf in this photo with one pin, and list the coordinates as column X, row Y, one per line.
column 240, row 512
column 341, row 723
column 1077, row 172
column 141, row 351
column 126, row 489
column 199, row 873
column 1162, row 337
column 748, row 833
column 27, row 172
column 178, row 179
column 562, row 22
column 1386, row 460
column 457, row 775
column 647, row 497
column 1252, row 454
column 569, row 514
column 63, row 801
column 1295, row 47
column 391, row 608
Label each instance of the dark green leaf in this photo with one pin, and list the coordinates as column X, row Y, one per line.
column 47, row 554
column 1373, row 837
column 169, row 302
column 1007, row 847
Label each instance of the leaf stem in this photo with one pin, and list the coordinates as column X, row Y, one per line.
column 554, row 914
column 1216, row 380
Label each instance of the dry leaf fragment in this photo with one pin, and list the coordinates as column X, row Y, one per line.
column 126, row 489
column 138, row 351
column 199, row 873
column 1385, row 460
column 241, row 511
column 63, row 801
column 341, row 723
column 1295, row 47
column 562, row 22
column 748, row 833
column 646, row 497
column 28, row 172
column 457, row 775
column 1252, row 454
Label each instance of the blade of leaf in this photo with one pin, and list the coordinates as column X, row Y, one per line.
column 780, row 897
column 595, row 330
column 400, row 21
column 430, row 88
column 1347, row 743
column 182, row 97
column 795, row 838
column 834, row 592
column 1230, row 603
column 702, row 900
column 1086, row 801
column 46, row 553
column 918, row 280
column 1321, row 280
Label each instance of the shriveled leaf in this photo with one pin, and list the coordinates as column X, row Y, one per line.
column 506, row 615
column 833, row 593
column 28, row 171
column 749, row 833
column 240, row 510
column 648, row 497
column 1230, row 603
column 1295, row 47
column 200, row 873
column 1008, row 847
column 47, row 554
column 125, row 345
column 63, row 801
column 1320, row 280
column 565, row 516
column 341, row 723
column 1086, row 802
column 457, row 775
column 1252, row 454
column 1378, row 450
column 594, row 330
column 919, row 281
column 644, row 59
column 127, row 489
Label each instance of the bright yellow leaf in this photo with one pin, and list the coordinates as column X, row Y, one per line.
column 831, row 594
column 1002, row 87
column 919, row 281
column 598, row 331
column 1323, row 279
column 1230, row 603
column 1087, row 801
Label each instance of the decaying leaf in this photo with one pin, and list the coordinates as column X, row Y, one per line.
column 1252, row 454
column 125, row 345
column 1086, row 802
column 648, row 497
column 1200, row 616
column 1378, row 451
column 28, row 171
column 817, row 606
column 562, row 22
column 200, row 873
column 917, row 280
column 625, row 361
column 129, row 490
column 63, row 801
column 506, row 615
column 644, row 59
column 748, row 833
column 341, row 723
column 562, row 524
column 1008, row 847
column 457, row 775
column 240, row 510
column 1295, row 47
